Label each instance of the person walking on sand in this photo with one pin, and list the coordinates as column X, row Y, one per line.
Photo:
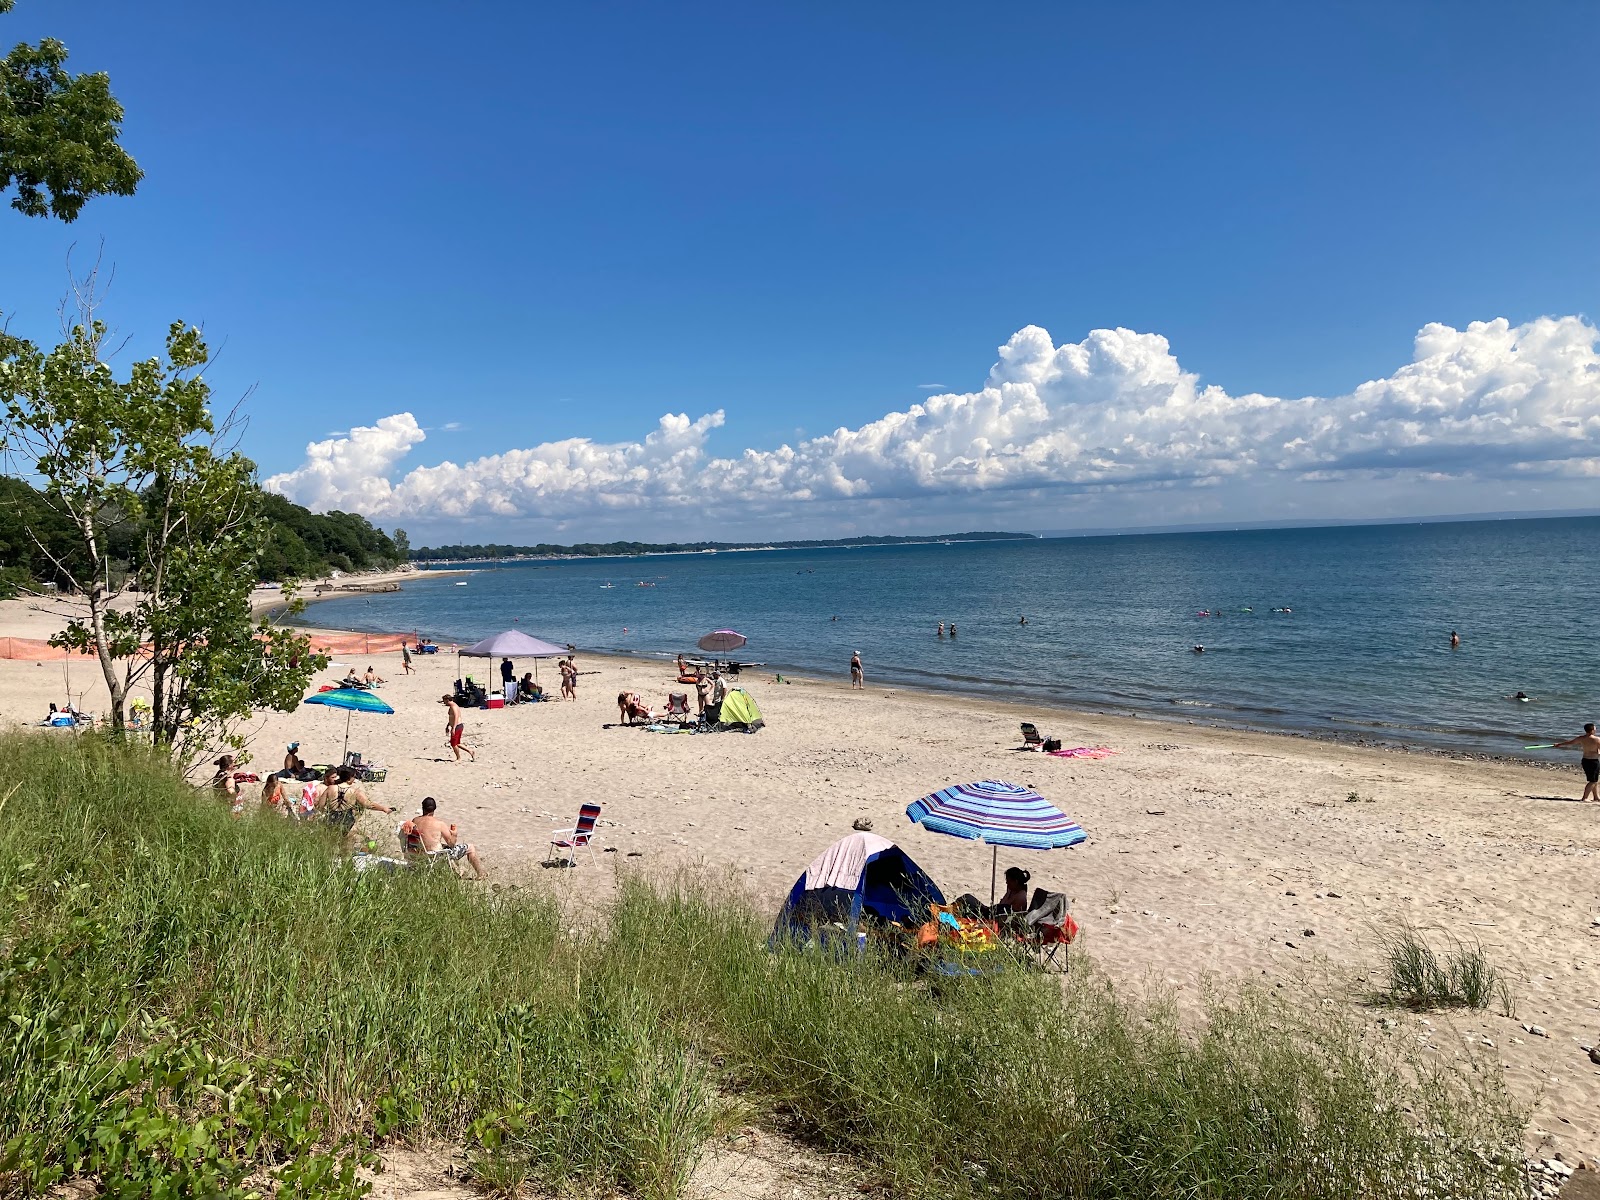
column 1588, row 745
column 454, row 728
column 857, row 678
column 405, row 659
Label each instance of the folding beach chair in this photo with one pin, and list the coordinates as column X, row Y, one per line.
column 414, row 852
column 579, row 837
column 1046, row 930
column 678, row 706
column 1032, row 739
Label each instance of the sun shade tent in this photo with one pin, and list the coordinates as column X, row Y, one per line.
column 739, row 709
column 513, row 643
column 860, row 873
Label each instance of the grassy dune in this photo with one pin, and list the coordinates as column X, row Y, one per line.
column 201, row 1006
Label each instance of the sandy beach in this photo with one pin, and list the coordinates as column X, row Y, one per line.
column 1212, row 854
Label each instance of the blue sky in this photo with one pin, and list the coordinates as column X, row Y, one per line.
column 544, row 222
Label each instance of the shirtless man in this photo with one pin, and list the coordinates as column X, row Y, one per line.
column 1588, row 745
column 454, row 727
column 435, row 834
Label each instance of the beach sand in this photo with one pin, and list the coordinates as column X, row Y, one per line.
column 1212, row 854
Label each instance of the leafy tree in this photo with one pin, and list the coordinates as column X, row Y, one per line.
column 145, row 452
column 402, row 545
column 58, row 133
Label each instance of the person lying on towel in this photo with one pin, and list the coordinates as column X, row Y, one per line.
column 632, row 708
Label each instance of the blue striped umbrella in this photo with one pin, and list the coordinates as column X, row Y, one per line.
column 999, row 813
column 352, row 700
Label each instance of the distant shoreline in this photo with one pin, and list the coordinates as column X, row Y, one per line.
column 427, row 563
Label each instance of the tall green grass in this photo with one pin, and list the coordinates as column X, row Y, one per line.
column 222, row 997
column 144, row 918
column 1464, row 977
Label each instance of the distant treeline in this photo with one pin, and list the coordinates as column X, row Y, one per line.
column 37, row 547
column 613, row 549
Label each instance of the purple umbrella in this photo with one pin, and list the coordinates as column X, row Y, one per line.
column 722, row 641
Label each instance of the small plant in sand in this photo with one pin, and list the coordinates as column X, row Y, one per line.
column 1463, row 978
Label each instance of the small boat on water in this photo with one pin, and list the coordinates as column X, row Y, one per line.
column 642, row 583
column 607, row 585
column 461, row 583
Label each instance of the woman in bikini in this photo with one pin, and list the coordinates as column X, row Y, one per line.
column 343, row 800
column 226, row 786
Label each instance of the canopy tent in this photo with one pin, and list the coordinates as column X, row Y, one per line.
column 513, row 643
column 859, row 873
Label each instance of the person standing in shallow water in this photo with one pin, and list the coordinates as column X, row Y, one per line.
column 941, row 628
column 857, row 677
column 1455, row 639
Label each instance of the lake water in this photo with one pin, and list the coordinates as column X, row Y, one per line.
column 1112, row 621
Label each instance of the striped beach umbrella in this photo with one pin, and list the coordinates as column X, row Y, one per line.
column 999, row 813
column 352, row 700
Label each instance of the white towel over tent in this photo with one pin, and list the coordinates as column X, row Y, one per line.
column 841, row 864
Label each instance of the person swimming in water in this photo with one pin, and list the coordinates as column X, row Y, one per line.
column 1199, row 649
column 1521, row 698
column 1022, row 620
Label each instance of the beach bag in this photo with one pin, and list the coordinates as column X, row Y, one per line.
column 1051, row 745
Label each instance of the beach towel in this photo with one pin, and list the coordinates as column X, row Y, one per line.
column 1048, row 908
column 1084, row 752
column 841, row 864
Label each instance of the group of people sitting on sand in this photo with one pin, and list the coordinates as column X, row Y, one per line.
column 364, row 682
column 710, row 691
column 336, row 798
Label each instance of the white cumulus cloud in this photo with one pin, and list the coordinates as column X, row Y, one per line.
column 1114, row 412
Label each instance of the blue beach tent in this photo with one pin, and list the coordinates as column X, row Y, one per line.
column 859, row 873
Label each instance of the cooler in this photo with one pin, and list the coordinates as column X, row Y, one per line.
column 495, row 702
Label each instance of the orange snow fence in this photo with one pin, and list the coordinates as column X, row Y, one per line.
column 359, row 643
column 34, row 648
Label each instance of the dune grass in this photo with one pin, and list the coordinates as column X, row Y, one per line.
column 1420, row 978
column 201, row 1006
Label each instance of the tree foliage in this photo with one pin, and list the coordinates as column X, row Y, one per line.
column 144, row 455
column 58, row 133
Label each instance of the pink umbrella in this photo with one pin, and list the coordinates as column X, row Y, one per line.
column 722, row 641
